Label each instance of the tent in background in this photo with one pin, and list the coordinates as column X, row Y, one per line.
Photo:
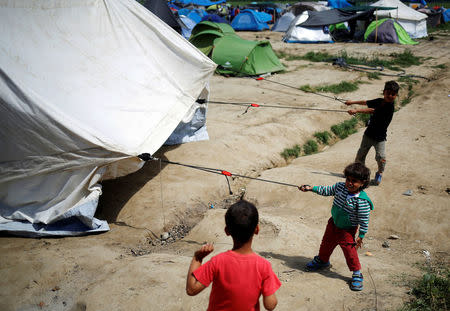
column 205, row 3
column 236, row 56
column 338, row 4
column 387, row 30
column 81, row 101
column 299, row 34
column 299, row 7
column 189, row 24
column 204, row 34
column 214, row 18
column 282, row 24
column 162, row 10
column 415, row 23
column 248, row 20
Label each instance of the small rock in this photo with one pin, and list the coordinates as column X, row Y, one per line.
column 386, row 244
column 393, row 237
column 165, row 236
column 408, row 192
column 368, row 254
column 56, row 288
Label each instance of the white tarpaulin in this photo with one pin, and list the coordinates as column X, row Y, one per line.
column 414, row 22
column 84, row 84
column 298, row 34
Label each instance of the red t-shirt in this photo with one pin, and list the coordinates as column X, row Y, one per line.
column 238, row 281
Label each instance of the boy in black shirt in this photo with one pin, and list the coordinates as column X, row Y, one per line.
column 381, row 110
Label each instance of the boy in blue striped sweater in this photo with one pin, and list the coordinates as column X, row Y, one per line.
column 351, row 208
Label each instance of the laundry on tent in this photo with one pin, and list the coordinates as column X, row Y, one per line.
column 111, row 82
column 387, row 30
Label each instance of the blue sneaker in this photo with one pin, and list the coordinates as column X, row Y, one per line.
column 316, row 264
column 377, row 178
column 357, row 281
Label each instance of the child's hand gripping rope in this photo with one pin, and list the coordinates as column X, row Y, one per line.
column 305, row 188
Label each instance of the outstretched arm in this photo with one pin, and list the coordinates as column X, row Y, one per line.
column 270, row 302
column 356, row 102
column 365, row 110
column 193, row 286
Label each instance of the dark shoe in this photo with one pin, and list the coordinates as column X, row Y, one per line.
column 316, row 264
column 377, row 179
column 357, row 281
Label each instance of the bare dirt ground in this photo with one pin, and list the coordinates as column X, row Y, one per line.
column 129, row 268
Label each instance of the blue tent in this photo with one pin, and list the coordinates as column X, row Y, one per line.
column 338, row 4
column 249, row 20
column 199, row 2
column 194, row 16
column 446, row 15
column 214, row 18
column 264, row 17
column 189, row 25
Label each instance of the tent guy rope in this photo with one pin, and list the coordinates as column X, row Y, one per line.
column 254, row 105
column 147, row 157
column 293, row 87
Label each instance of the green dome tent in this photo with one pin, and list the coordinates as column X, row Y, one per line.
column 234, row 55
column 204, row 41
column 204, row 34
column 240, row 57
column 207, row 25
column 386, row 30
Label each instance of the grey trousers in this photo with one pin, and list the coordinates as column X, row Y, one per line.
column 380, row 152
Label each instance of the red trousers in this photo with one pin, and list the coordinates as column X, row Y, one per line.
column 345, row 238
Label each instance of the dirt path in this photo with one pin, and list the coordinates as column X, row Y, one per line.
column 120, row 270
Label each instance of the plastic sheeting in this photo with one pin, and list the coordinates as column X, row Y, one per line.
column 85, row 87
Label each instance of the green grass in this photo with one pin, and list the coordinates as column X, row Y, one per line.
column 431, row 292
column 441, row 28
column 408, row 80
column 310, row 147
column 293, row 152
column 373, row 75
column 323, row 137
column 440, row 66
column 346, row 128
column 394, row 61
column 342, row 87
column 363, row 117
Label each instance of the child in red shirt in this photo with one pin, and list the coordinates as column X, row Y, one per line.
column 239, row 276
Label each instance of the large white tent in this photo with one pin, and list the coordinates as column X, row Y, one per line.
column 85, row 87
column 414, row 22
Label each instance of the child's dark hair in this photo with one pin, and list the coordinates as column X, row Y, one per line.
column 391, row 86
column 359, row 171
column 241, row 220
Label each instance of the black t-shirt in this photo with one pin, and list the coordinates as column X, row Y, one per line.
column 380, row 119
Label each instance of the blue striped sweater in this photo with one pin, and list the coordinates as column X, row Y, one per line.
column 348, row 212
